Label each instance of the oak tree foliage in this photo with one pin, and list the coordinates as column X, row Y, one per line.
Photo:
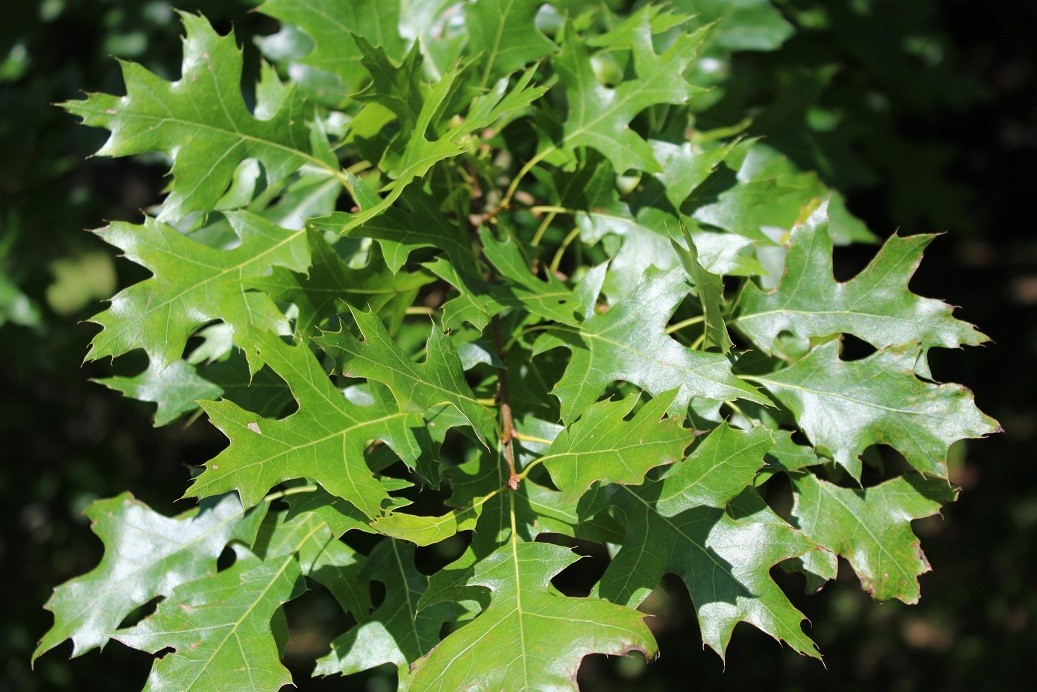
column 473, row 274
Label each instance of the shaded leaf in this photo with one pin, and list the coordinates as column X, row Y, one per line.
column 724, row 558
column 395, row 632
column 175, row 389
column 329, row 282
column 417, row 387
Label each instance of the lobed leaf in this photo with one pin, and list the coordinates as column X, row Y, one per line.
column 875, row 305
column 845, row 407
column 200, row 121
column 871, row 527
column 324, row 440
column 628, row 342
column 530, row 637
column 146, row 555
column 192, row 285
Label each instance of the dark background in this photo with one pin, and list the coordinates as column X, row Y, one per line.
column 937, row 131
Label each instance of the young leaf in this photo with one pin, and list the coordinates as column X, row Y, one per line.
column 710, row 290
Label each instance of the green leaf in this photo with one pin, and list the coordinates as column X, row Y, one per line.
column 648, row 240
column 871, row 528
column 549, row 299
column 685, row 167
column 710, row 290
column 421, row 154
column 317, row 294
column 332, row 25
column 339, row 515
column 192, row 285
column 417, row 387
column 324, row 440
column 219, row 628
column 147, row 555
column 875, row 305
column 723, row 557
column 175, row 389
column 321, row 556
column 395, row 632
column 504, row 35
column 521, row 177
column 845, row 407
column 629, row 342
column 398, row 88
column 603, row 446
column 743, row 24
column 200, row 121
column 530, row 637
column 721, row 466
column 599, row 117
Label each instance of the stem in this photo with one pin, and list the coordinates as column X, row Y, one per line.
column 531, row 438
column 359, row 167
column 507, row 420
column 289, row 491
column 543, row 228
column 561, row 250
column 685, row 323
column 547, row 207
column 698, row 342
column 513, row 188
column 734, row 407
column 418, row 310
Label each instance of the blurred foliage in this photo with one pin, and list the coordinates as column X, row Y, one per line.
column 922, row 112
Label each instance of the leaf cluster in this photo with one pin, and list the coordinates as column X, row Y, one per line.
column 472, row 275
